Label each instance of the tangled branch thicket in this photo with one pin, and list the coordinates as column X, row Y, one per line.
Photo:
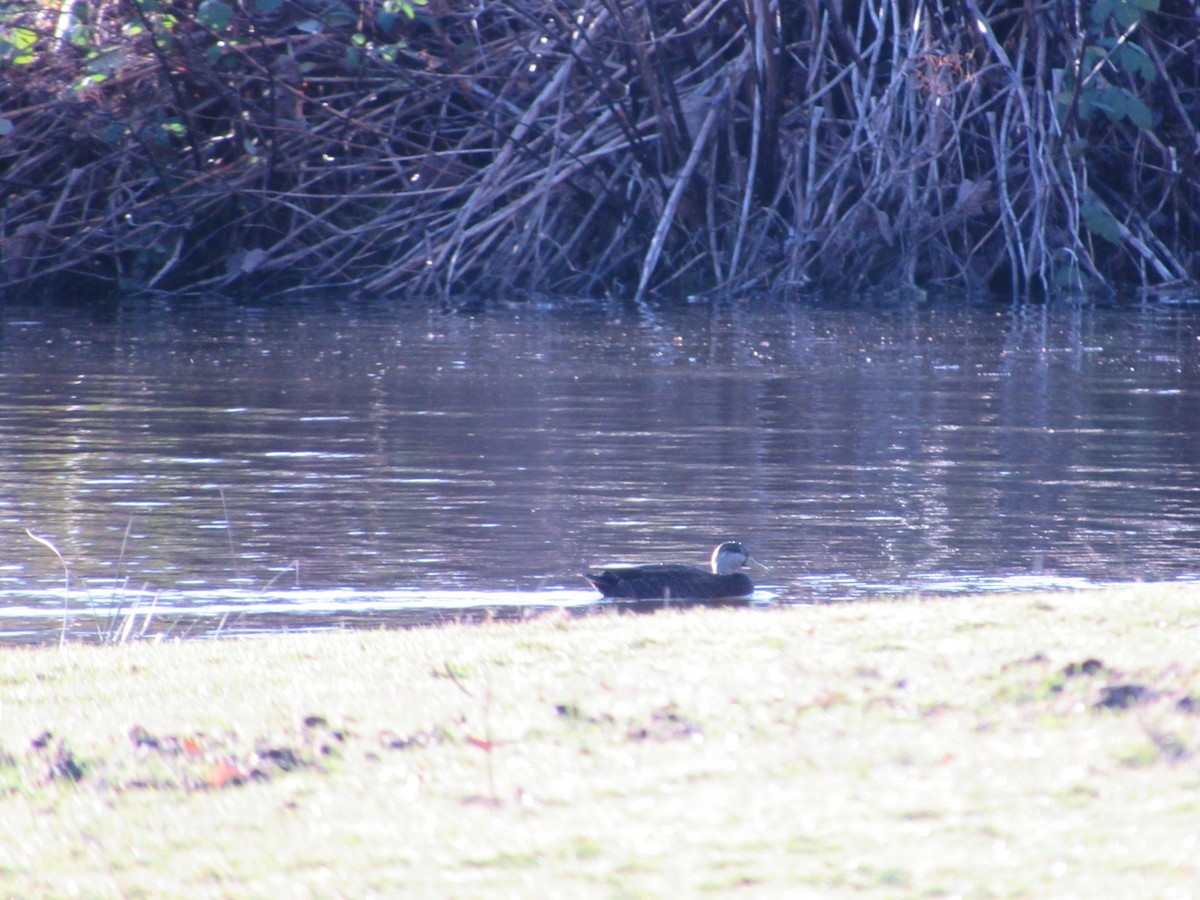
column 599, row 146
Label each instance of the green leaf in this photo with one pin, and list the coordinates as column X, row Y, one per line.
column 1125, row 14
column 1100, row 222
column 1067, row 276
column 1109, row 99
column 21, row 38
column 1119, row 103
column 106, row 60
column 1133, row 59
column 264, row 7
column 1138, row 112
column 88, row 81
column 16, row 45
column 1101, row 10
column 407, row 7
column 113, row 133
column 389, row 52
column 340, row 15
column 1086, row 107
column 214, row 14
column 154, row 138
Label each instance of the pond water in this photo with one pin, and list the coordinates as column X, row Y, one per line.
column 244, row 468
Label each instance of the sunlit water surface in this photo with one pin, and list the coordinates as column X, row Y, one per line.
column 242, row 469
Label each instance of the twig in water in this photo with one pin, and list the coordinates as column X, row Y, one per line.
column 293, row 566
column 149, row 616
column 115, row 614
column 45, row 542
column 229, row 532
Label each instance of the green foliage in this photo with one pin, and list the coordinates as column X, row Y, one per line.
column 409, row 9
column 1111, row 55
column 1125, row 13
column 328, row 15
column 215, row 15
column 1131, row 58
column 263, row 7
column 114, row 132
column 17, row 44
column 1105, row 79
column 159, row 134
column 1120, row 103
column 1100, row 222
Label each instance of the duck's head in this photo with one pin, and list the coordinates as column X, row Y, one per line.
column 731, row 556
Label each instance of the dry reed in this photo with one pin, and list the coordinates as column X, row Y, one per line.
column 601, row 146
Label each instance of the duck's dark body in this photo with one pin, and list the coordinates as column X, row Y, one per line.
column 668, row 582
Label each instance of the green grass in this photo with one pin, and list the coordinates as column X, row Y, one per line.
column 881, row 749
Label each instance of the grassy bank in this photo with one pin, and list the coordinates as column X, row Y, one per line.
column 1034, row 745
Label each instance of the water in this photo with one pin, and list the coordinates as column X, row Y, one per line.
column 261, row 468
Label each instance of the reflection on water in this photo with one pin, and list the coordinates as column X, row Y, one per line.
column 262, row 467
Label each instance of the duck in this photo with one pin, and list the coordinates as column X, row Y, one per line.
column 675, row 581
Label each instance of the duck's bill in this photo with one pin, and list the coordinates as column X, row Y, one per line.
column 751, row 561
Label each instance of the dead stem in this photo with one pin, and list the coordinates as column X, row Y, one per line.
column 532, row 145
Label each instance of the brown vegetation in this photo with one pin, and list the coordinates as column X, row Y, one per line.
column 599, row 146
